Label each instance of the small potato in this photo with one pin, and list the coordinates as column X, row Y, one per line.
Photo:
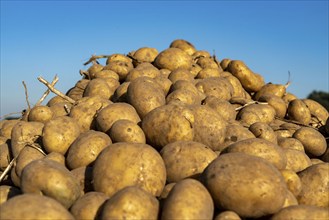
column 125, row 164
column 126, row 131
column 296, row 160
column 114, row 112
column 8, row 192
column 164, row 83
column 180, row 74
column 84, row 177
column 276, row 102
column 313, row 141
column 188, row 199
column 145, row 54
column 186, row 159
column 40, row 114
column 184, row 96
column 122, row 68
column 260, row 148
column 49, row 178
column 143, row 69
column 98, row 87
column 315, row 190
column 76, row 92
column 297, row 110
column 94, row 69
column 209, row 72
column 293, row 181
column 288, row 97
column 33, row 206
column 256, row 113
column 183, row 45
column 7, row 128
column 238, row 90
column 85, row 148
column 301, row 212
column 118, row 57
column 238, row 181
column 88, row 206
column 106, row 74
column 227, row 215
column 131, row 202
column 263, row 131
column 290, row 200
column 5, row 156
column 61, row 109
column 208, row 62
column 26, row 156
column 54, row 100
column 59, row 133
column 173, row 58
column 195, row 69
column 291, row 143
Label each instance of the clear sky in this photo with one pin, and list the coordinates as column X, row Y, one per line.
column 44, row 38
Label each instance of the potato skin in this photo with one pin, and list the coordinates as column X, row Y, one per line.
column 227, row 215
column 186, row 159
column 245, row 184
column 127, row 131
column 263, row 131
column 298, row 111
column 50, row 179
column 125, row 164
column 173, row 58
column 7, row 192
column 296, row 160
column 301, row 212
column 33, row 206
column 293, row 181
column 188, row 199
column 256, row 113
column 131, row 202
column 40, row 114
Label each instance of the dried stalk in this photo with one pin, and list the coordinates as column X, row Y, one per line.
column 95, row 57
column 26, row 96
column 250, row 103
column 10, row 114
column 35, row 146
column 51, row 88
column 46, row 93
column 8, row 168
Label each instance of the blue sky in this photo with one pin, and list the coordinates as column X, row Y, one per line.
column 44, row 38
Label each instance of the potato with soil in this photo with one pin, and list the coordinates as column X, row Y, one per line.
column 120, row 94
column 100, row 87
column 219, row 87
column 291, row 143
column 145, row 95
column 298, row 111
column 7, row 128
column 76, row 92
column 245, row 184
column 59, row 133
column 173, row 58
column 180, row 74
column 131, row 202
column 33, row 206
column 293, row 181
column 301, row 212
column 114, row 112
column 126, row 131
column 88, row 206
column 256, row 113
column 277, row 90
column 85, row 148
column 186, row 159
column 227, row 215
column 84, row 177
column 319, row 112
column 276, row 102
column 188, row 199
column 144, row 54
column 183, row 45
column 5, row 156
column 122, row 68
column 51, row 179
column 263, row 131
column 167, row 124
column 296, row 160
column 222, row 107
column 126, row 164
column 144, row 69
column 40, row 114
column 26, row 156
column 315, row 190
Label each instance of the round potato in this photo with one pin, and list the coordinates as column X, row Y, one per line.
column 263, row 131
column 76, row 92
column 143, row 69
column 49, row 178
column 297, row 110
column 173, row 58
column 99, row 87
column 271, row 89
column 219, row 87
column 40, row 114
column 188, row 199
column 256, row 113
column 61, row 109
column 26, row 156
column 317, row 110
column 122, row 68
column 186, row 159
column 180, row 74
column 131, row 202
column 55, row 156
column 301, row 212
column 33, row 206
column 183, row 45
column 222, row 107
column 126, row 164
column 59, row 133
column 245, row 184
column 86, row 147
column 276, row 102
column 290, row 142
column 145, row 54
column 209, row 72
column 126, row 131
column 88, row 206
column 296, row 160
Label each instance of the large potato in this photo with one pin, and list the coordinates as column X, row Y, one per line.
column 100, row 87
column 271, row 89
column 33, row 206
column 85, row 148
column 188, row 199
column 127, row 164
column 184, row 159
column 145, row 54
column 301, row 212
column 51, row 179
column 245, row 184
column 276, row 102
column 122, row 68
column 131, row 202
column 84, row 176
column 173, row 58
column 59, row 133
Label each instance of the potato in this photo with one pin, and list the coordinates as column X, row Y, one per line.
column 5, row 156
column 183, row 45
column 260, row 148
column 51, row 179
column 24, row 133
column 55, row 156
column 200, row 53
column 186, row 159
column 114, row 112
column 277, row 90
column 125, row 164
column 256, row 113
column 288, row 97
column 76, row 92
column 122, row 68
column 208, row 62
column 325, row 156
column 263, row 131
column 296, row 160
column 313, row 141
column 126, row 131
column 165, row 192
column 164, row 83
column 219, row 87
column 88, row 206
column 238, row 90
column 195, row 69
column 250, row 81
column 290, row 200
column 8, row 192
column 245, row 184
column 145, row 54
column 54, row 100
column 118, row 57
column 84, row 177
column 7, row 128
column 93, row 69
column 104, row 74
column 145, row 95
column 184, row 96
column 61, row 109
column 227, row 215
column 180, row 74
column 276, row 102
column 40, row 114
column 59, row 133
column 86, row 109
column 317, row 110
column 85, row 148
column 290, row 142
column 26, row 156
column 293, row 181
column 209, row 127
column 131, row 202
column 301, row 212
column 297, row 110
column 315, row 191
column 316, row 161
column 144, row 69
column 167, row 124
column 209, row 72
column 173, row 58
column 187, row 86
column 120, row 94
column 33, row 206
column 222, row 107
column 188, row 199
column 100, row 87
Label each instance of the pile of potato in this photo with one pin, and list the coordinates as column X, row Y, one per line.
column 174, row 134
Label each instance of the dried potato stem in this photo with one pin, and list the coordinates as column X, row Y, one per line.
column 250, row 103
column 95, row 57
column 46, row 93
column 10, row 114
column 51, row 88
column 26, row 96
